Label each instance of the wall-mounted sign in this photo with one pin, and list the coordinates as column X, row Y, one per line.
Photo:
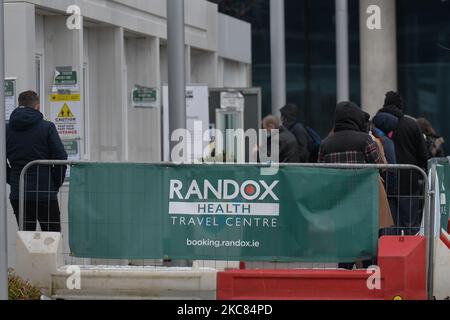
column 65, row 79
column 72, row 148
column 10, row 97
column 144, row 97
column 66, row 113
column 232, row 99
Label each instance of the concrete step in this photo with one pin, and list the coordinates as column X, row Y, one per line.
column 136, row 283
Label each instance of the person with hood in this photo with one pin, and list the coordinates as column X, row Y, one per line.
column 288, row 148
column 410, row 148
column 28, row 138
column 350, row 142
column 435, row 143
column 289, row 118
column 385, row 124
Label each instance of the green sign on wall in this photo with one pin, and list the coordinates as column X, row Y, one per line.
column 145, row 97
column 71, row 147
column 139, row 211
column 10, row 97
column 10, row 88
column 66, row 78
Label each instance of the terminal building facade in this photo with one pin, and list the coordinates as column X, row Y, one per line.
column 120, row 44
column 410, row 54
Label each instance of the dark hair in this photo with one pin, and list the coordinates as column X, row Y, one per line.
column 28, row 99
column 426, row 127
column 394, row 99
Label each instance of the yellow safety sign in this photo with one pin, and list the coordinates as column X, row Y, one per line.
column 65, row 112
column 64, row 97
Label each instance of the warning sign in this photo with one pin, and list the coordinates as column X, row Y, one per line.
column 66, row 113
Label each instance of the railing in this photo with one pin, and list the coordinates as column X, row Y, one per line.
column 420, row 195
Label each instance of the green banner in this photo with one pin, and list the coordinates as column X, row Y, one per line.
column 443, row 177
column 221, row 212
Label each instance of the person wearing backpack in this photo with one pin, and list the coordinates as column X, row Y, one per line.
column 308, row 140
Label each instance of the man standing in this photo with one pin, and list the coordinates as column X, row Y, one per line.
column 28, row 138
column 350, row 144
column 289, row 117
column 410, row 148
column 288, row 148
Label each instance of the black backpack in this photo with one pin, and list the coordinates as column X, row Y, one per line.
column 314, row 141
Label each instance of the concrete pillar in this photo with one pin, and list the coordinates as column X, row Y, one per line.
column 176, row 65
column 20, row 31
column 342, row 54
column 378, row 54
column 142, row 55
column 108, row 116
column 278, row 55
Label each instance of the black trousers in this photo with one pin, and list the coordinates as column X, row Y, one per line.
column 46, row 212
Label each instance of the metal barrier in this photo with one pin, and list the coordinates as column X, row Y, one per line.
column 405, row 205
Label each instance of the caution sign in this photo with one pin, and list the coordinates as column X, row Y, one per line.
column 66, row 113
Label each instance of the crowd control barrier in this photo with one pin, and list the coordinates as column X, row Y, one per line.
column 439, row 176
column 308, row 221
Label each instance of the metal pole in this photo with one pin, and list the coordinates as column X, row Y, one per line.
column 177, row 66
column 429, row 226
column 3, row 215
column 277, row 55
column 342, row 55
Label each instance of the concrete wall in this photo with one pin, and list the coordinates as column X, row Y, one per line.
column 143, row 124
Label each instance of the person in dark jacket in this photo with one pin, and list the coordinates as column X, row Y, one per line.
column 350, row 142
column 385, row 124
column 28, row 138
column 289, row 118
column 410, row 148
column 288, row 148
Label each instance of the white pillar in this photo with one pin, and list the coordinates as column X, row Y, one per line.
column 142, row 56
column 176, row 65
column 278, row 55
column 108, row 117
column 342, row 55
column 20, row 33
column 378, row 54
